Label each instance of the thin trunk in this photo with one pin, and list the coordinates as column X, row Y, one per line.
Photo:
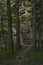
column 10, row 39
column 39, row 45
column 17, row 25
column 41, row 23
column 34, row 25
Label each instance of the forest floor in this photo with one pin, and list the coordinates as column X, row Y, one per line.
column 25, row 56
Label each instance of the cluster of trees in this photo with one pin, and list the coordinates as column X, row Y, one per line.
column 37, row 9
column 23, row 15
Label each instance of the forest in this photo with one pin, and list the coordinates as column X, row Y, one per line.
column 21, row 32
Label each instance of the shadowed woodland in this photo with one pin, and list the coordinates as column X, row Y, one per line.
column 21, row 32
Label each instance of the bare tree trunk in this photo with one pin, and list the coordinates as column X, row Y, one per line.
column 41, row 23
column 17, row 25
column 10, row 39
column 34, row 26
column 40, row 32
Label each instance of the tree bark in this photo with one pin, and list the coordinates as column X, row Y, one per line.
column 10, row 39
column 17, row 25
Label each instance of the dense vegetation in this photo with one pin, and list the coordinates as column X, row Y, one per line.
column 21, row 30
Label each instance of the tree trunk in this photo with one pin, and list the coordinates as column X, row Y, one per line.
column 41, row 23
column 10, row 39
column 34, row 26
column 17, row 25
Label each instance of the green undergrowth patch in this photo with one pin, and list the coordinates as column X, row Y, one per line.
column 30, row 57
column 4, row 56
column 34, row 57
